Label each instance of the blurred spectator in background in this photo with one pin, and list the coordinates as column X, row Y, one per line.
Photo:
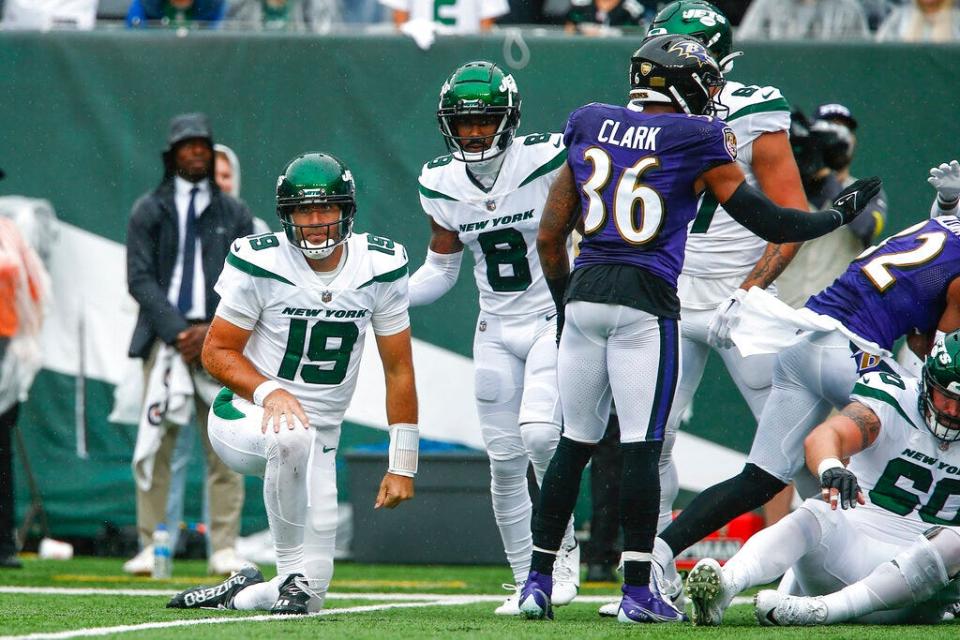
column 359, row 12
column 824, row 151
column 284, row 15
column 604, row 17
column 922, row 21
column 803, row 20
column 175, row 13
column 44, row 15
column 177, row 240
column 24, row 285
column 459, row 16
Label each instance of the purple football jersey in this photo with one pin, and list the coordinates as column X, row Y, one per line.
column 897, row 286
column 635, row 172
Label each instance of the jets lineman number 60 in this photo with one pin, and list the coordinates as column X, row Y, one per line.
column 630, row 195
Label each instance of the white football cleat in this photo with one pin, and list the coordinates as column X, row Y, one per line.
column 669, row 589
column 709, row 593
column 566, row 576
column 773, row 608
column 226, row 562
column 510, row 606
column 140, row 564
column 610, row 610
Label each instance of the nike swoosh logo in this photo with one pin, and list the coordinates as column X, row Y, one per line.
column 551, row 316
column 327, row 449
column 767, row 94
column 770, row 617
column 842, row 202
column 236, row 246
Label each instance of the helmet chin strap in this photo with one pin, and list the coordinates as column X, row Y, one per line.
column 486, row 171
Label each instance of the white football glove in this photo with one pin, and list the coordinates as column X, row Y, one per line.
column 946, row 180
column 724, row 320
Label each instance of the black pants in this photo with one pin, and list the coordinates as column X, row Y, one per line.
column 605, row 470
column 7, row 421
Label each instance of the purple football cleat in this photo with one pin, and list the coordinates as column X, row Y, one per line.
column 535, row 597
column 642, row 605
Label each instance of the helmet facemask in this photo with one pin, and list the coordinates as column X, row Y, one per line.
column 337, row 232
column 499, row 140
column 941, row 424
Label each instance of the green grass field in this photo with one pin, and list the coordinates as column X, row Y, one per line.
column 91, row 597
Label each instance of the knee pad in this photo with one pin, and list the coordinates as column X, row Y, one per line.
column 486, row 385
column 540, row 439
column 291, row 445
column 510, row 468
column 946, row 541
column 757, row 371
column 922, row 567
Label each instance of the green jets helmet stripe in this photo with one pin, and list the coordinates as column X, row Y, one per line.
column 223, row 406
column 435, row 195
column 555, row 162
column 780, row 104
column 860, row 389
column 248, row 267
column 389, row 276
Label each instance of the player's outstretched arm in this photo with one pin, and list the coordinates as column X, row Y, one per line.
column 557, row 222
column 439, row 271
column 773, row 223
column 851, row 431
column 778, row 177
column 223, row 359
column 397, row 356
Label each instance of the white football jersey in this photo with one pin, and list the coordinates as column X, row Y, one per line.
column 307, row 335
column 909, row 481
column 500, row 225
column 718, row 246
column 460, row 16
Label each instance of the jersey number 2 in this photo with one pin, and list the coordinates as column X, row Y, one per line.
column 330, row 343
column 877, row 271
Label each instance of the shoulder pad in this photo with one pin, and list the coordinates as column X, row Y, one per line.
column 387, row 258
column 884, row 391
column 746, row 99
column 258, row 255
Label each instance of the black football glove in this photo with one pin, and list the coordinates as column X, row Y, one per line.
column 848, row 489
column 852, row 200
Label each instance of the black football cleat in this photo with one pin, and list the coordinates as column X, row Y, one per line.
column 296, row 597
column 217, row 597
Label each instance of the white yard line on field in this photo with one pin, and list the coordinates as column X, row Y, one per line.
column 392, row 601
column 147, row 626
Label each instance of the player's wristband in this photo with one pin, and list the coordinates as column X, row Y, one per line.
column 826, row 464
column 263, row 390
column 404, row 449
column 947, row 203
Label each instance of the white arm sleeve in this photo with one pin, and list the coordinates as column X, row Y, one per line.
column 435, row 277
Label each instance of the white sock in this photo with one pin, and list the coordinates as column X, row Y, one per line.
column 513, row 511
column 669, row 481
column 770, row 552
column 259, row 597
column 661, row 550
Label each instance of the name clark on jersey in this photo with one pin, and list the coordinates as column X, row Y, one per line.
column 633, row 138
column 499, row 221
column 327, row 313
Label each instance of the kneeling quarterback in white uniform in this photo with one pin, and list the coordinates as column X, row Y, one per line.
column 286, row 342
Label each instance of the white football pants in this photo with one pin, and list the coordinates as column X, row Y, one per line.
column 299, row 481
column 515, row 384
